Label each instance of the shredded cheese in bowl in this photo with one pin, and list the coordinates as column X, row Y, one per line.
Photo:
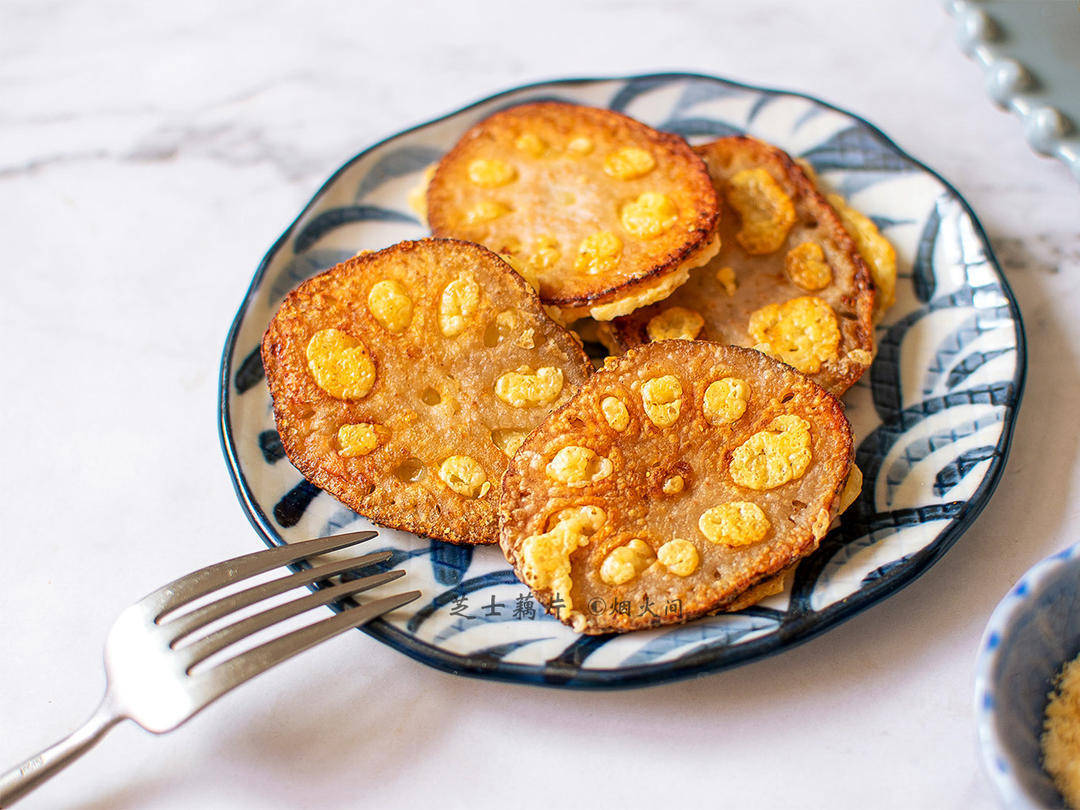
column 1061, row 733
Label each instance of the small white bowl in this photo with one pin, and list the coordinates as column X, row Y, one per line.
column 1031, row 634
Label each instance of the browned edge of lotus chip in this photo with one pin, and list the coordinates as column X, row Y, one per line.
column 836, row 421
column 630, row 330
column 674, row 146
column 274, row 345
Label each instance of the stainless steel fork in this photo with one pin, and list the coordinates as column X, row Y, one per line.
column 152, row 649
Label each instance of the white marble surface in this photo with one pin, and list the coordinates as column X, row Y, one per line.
column 151, row 153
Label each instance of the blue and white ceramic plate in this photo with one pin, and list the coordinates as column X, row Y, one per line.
column 933, row 417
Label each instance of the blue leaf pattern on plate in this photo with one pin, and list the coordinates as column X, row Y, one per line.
column 449, row 562
column 293, row 504
column 690, row 127
column 924, row 259
column 634, row 88
column 697, row 635
column 401, row 162
column 758, row 105
column 858, row 149
column 270, row 444
column 250, row 372
column 953, row 473
column 300, row 268
column 346, row 215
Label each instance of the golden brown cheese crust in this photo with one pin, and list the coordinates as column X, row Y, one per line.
column 433, row 396
column 652, row 484
column 736, row 284
column 554, row 175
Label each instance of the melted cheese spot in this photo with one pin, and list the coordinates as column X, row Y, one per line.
column 357, row 440
column 340, row 364
column 765, row 210
column 577, row 466
column 734, row 524
column 531, row 144
column 580, row 145
column 626, row 562
column 506, row 324
column 458, row 304
column 390, row 305
column 491, row 173
column 598, row 253
column 615, row 413
column 465, row 476
column 774, row 456
column 662, row 399
column 524, row 388
column 527, row 339
column 629, row 163
column 545, row 253
column 649, row 215
column 545, row 558
column 673, row 485
column 726, row 277
column 805, row 265
column 675, row 323
column 678, row 556
column 802, row 332
column 725, row 400
column 486, row 211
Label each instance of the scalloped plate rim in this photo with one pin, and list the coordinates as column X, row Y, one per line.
column 709, row 659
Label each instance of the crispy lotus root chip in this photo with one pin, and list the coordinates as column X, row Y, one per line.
column 404, row 380
column 789, row 279
column 876, row 250
column 603, row 213
column 683, row 472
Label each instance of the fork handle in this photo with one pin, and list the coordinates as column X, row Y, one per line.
column 27, row 775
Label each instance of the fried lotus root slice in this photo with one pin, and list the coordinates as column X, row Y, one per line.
column 681, row 479
column 876, row 250
column 403, row 381
column 788, row 280
column 603, row 213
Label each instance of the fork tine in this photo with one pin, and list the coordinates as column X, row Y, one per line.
column 200, row 617
column 203, row 648
column 199, row 583
column 218, row 680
